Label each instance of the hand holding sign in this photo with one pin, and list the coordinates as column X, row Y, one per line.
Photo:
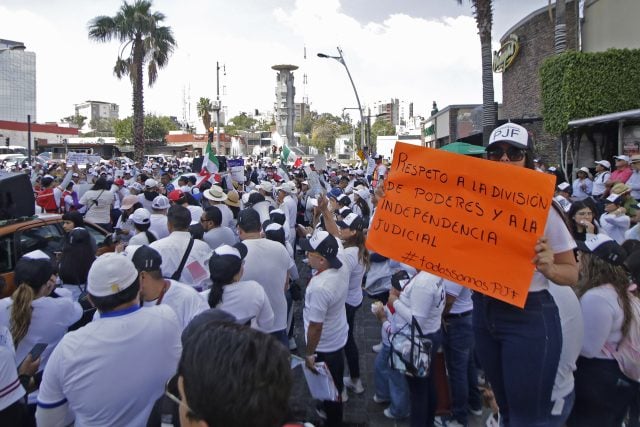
column 477, row 224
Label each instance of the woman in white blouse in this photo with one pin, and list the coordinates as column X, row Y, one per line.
column 98, row 202
column 603, row 391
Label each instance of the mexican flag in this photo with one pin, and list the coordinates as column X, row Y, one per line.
column 287, row 155
column 210, row 160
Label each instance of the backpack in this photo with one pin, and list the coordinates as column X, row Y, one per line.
column 628, row 352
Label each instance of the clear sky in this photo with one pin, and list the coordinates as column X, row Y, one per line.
column 415, row 50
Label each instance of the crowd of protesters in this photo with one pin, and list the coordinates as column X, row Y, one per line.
column 189, row 320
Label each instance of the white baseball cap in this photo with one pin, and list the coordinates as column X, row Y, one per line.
column 603, row 163
column 141, row 216
column 110, row 274
column 160, row 202
column 623, row 158
column 512, row 133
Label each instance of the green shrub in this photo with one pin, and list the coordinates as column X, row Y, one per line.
column 578, row 85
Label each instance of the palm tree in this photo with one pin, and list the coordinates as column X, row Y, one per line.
column 204, row 112
column 142, row 41
column 483, row 12
column 560, row 30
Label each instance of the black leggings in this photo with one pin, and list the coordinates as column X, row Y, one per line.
column 350, row 348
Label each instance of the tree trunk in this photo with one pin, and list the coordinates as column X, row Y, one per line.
column 560, row 33
column 484, row 20
column 489, row 111
column 138, row 101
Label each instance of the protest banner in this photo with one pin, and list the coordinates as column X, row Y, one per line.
column 468, row 220
column 320, row 162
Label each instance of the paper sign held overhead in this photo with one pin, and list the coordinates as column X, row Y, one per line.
column 469, row 220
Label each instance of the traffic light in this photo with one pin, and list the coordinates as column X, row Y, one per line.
column 210, row 139
column 7, row 141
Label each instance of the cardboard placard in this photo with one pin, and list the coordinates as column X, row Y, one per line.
column 320, row 162
column 469, row 220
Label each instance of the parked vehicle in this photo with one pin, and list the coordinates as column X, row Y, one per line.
column 43, row 232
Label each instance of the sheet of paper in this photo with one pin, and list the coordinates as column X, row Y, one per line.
column 321, row 385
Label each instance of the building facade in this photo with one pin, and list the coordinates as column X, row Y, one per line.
column 99, row 114
column 610, row 24
column 17, row 82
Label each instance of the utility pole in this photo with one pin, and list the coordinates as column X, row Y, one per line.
column 216, row 108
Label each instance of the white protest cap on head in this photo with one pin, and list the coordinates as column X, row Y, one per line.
column 511, row 133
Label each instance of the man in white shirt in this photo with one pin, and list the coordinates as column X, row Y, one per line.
column 158, row 218
column 602, row 176
column 324, row 314
column 215, row 234
column 174, row 247
column 289, row 205
column 185, row 301
column 110, row 371
column 216, row 197
column 267, row 262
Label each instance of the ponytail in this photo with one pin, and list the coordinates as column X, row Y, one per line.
column 21, row 312
column 215, row 294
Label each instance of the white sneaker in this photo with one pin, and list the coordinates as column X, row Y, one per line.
column 355, row 386
column 377, row 348
column 345, row 395
column 380, row 400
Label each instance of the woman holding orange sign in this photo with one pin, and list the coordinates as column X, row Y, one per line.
column 519, row 349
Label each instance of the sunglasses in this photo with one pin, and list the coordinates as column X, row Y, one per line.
column 514, row 154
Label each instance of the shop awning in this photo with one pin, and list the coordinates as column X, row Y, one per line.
column 606, row 118
column 463, row 148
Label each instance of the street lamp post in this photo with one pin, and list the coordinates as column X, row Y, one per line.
column 341, row 60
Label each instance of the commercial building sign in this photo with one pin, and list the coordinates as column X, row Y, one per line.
column 504, row 57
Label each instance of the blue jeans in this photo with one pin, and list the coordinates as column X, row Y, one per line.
column 391, row 384
column 463, row 378
column 519, row 350
column 422, row 391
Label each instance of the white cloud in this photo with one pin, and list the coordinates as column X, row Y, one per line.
column 404, row 57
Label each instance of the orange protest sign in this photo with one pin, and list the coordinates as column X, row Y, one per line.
column 469, row 220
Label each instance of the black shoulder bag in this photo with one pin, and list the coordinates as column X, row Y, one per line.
column 178, row 272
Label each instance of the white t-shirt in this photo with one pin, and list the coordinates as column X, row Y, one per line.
column 98, row 204
column 219, row 236
column 10, row 388
column 423, row 298
column 324, row 302
column 267, row 263
column 50, row 319
column 615, row 226
column 196, row 213
column 139, row 239
column 227, row 215
column 603, row 317
column 185, row 301
column 559, row 239
column 351, row 262
column 158, row 225
column 463, row 302
column 572, row 333
column 247, row 300
column 196, row 269
column 111, row 371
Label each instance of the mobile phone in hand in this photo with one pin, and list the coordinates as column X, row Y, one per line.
column 37, row 350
